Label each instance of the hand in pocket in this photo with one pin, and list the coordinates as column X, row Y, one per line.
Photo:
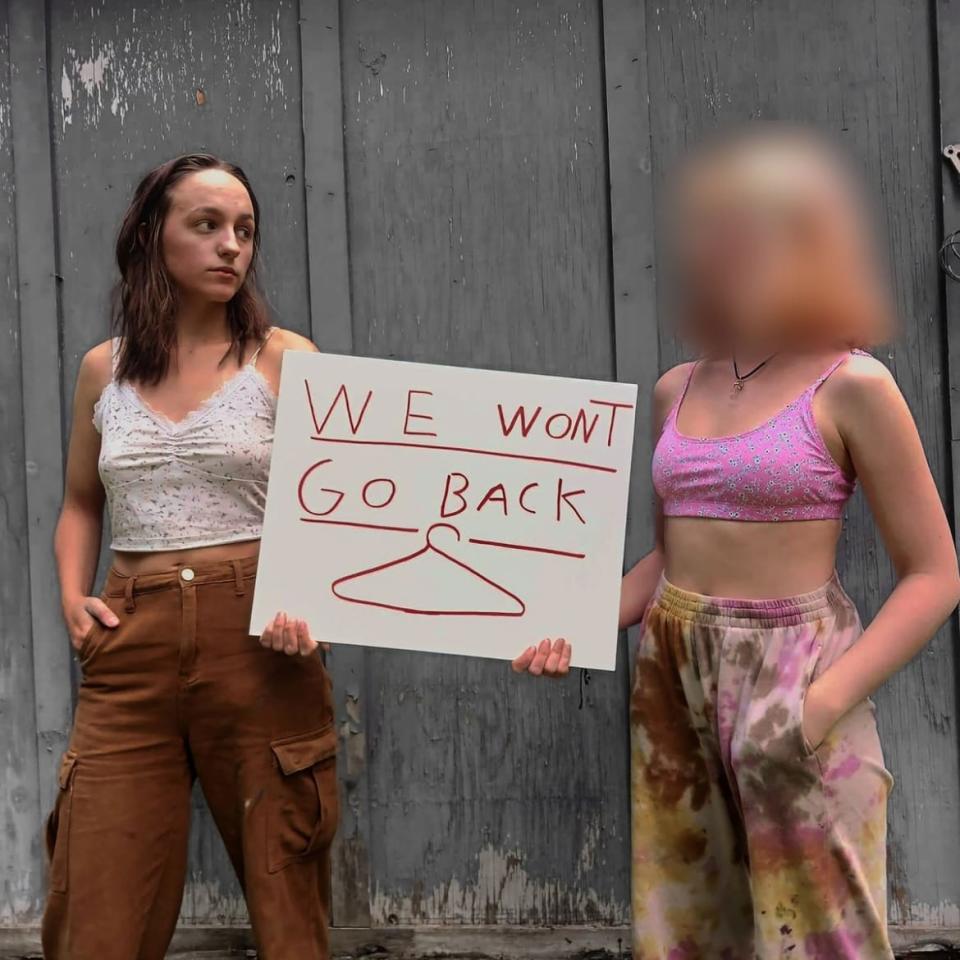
column 818, row 718
column 83, row 615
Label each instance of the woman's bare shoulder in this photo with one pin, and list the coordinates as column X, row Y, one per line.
column 863, row 393
column 672, row 380
column 666, row 391
column 96, row 370
column 670, row 384
column 284, row 339
column 271, row 355
column 862, row 378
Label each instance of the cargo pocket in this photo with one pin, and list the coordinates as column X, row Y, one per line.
column 58, row 825
column 304, row 808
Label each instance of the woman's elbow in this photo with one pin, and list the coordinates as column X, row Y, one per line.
column 948, row 579
column 954, row 588
column 78, row 512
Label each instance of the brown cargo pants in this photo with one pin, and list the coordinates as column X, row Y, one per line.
column 179, row 690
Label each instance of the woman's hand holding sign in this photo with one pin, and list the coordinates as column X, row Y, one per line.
column 290, row 636
column 548, row 659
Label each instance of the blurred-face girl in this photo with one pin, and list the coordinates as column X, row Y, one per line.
column 758, row 784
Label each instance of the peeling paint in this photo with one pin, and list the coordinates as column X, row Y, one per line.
column 500, row 890
column 90, row 74
column 130, row 71
column 933, row 915
column 211, row 900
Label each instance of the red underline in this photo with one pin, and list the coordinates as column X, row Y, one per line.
column 365, row 526
column 523, row 546
column 484, row 453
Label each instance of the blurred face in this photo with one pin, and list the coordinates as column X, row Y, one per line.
column 207, row 236
column 749, row 227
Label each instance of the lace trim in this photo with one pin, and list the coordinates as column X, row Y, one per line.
column 198, row 412
column 210, row 401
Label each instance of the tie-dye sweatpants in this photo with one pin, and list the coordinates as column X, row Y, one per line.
column 747, row 843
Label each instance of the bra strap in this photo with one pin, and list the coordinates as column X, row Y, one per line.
column 686, row 386
column 256, row 353
column 833, row 366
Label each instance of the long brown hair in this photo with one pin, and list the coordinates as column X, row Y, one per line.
column 145, row 298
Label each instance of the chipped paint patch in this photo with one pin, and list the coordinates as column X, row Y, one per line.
column 91, row 84
column 501, row 890
column 4, row 97
column 4, row 125
column 19, row 901
column 916, row 914
column 205, row 900
column 128, row 70
column 90, row 74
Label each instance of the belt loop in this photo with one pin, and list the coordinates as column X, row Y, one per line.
column 237, row 579
column 129, row 606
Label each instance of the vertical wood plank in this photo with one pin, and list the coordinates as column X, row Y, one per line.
column 947, row 27
column 947, row 41
column 40, row 366
column 632, row 241
column 20, row 813
column 322, row 105
column 331, row 329
column 479, row 235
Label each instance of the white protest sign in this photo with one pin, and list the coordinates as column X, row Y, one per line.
column 446, row 509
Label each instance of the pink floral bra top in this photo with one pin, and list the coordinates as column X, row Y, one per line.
column 780, row 470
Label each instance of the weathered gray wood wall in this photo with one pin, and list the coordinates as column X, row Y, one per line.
column 472, row 183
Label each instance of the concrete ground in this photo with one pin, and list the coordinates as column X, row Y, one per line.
column 936, row 954
column 455, row 943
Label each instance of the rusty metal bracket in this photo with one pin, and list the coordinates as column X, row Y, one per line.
column 952, row 152
column 950, row 248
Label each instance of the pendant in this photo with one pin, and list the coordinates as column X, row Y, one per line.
column 737, row 387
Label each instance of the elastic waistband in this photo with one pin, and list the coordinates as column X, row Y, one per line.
column 732, row 612
column 179, row 576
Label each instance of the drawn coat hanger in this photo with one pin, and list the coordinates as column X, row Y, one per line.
column 429, row 582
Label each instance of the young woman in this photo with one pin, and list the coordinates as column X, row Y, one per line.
column 172, row 425
column 759, row 789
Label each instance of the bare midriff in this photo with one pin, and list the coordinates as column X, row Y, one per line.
column 749, row 560
column 142, row 562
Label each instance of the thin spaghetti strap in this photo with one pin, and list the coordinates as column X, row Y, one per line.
column 833, row 366
column 256, row 353
column 670, row 418
column 686, row 386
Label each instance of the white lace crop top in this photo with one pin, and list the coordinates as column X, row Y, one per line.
column 193, row 482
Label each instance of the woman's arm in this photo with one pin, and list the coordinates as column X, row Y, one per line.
column 639, row 583
column 641, row 580
column 878, row 431
column 76, row 541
